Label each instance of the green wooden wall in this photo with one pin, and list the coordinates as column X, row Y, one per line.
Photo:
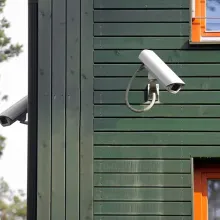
column 97, row 159
column 58, row 109
column 142, row 167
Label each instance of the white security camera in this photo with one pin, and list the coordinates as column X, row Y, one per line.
column 16, row 112
column 161, row 72
column 158, row 74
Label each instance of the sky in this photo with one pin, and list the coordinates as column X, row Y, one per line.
column 213, row 24
column 14, row 83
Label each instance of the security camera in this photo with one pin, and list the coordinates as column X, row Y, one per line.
column 158, row 74
column 161, row 72
column 16, row 112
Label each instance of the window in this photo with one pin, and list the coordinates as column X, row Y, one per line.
column 205, row 26
column 207, row 193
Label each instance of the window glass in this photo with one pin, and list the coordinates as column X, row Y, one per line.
column 213, row 199
column 212, row 15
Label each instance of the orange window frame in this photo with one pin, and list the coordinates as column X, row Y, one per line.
column 198, row 30
column 201, row 176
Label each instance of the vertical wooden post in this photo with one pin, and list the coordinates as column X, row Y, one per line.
column 44, row 111
column 86, row 131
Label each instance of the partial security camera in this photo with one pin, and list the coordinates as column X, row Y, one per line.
column 161, row 72
column 16, row 112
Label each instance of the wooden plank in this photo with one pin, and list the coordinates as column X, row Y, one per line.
column 140, row 4
column 152, row 152
column 44, row 111
column 58, row 110
column 86, row 111
column 169, row 56
column 155, row 124
column 124, row 70
column 135, row 217
column 119, row 83
column 180, row 43
column 157, row 138
column 142, row 180
column 103, row 43
column 167, row 111
column 137, row 97
column 175, row 15
column 141, row 29
column 142, row 166
column 142, row 194
column 143, row 208
column 72, row 109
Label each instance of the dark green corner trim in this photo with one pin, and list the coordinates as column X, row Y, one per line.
column 44, row 111
column 86, row 132
column 32, row 109
column 72, row 108
column 58, row 109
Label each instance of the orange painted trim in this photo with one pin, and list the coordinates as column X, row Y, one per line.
column 198, row 25
column 200, row 194
column 197, row 196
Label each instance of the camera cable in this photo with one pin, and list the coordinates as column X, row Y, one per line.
column 146, row 107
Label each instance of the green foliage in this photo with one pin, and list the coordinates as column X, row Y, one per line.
column 7, row 49
column 2, row 144
column 13, row 205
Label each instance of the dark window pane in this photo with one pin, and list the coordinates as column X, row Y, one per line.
column 214, row 199
column 213, row 15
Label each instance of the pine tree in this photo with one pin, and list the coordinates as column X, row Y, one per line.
column 7, row 51
column 12, row 204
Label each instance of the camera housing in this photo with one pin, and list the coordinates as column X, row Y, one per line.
column 161, row 72
column 16, row 112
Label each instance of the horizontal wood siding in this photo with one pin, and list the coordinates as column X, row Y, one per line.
column 142, row 167
column 141, row 4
